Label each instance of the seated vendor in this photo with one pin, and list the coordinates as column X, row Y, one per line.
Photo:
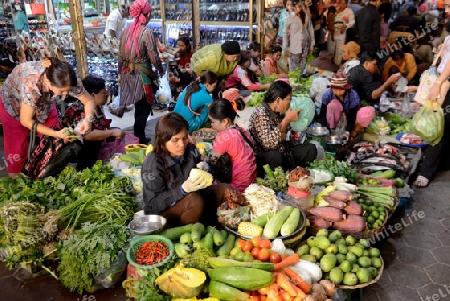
column 232, row 140
column 405, row 63
column 100, row 125
column 271, row 61
column 170, row 189
column 241, row 78
column 269, row 125
column 342, row 100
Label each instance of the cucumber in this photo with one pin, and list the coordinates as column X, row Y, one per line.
column 216, row 262
column 186, row 238
column 262, row 219
column 182, row 250
column 197, row 231
column 217, row 238
column 208, row 241
column 225, row 249
column 225, row 292
column 175, row 233
column 224, row 233
column 291, row 224
column 248, row 279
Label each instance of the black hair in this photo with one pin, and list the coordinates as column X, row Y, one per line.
column 397, row 55
column 331, row 9
column 412, row 11
column 367, row 56
column 254, row 46
column 275, row 48
column 168, row 126
column 93, row 84
column 245, row 57
column 302, row 12
column 277, row 89
column 222, row 109
column 186, row 42
column 60, row 74
column 208, row 77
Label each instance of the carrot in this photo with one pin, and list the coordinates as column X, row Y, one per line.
column 291, row 259
column 298, row 280
column 298, row 298
column 285, row 296
column 285, row 284
column 263, row 298
column 273, row 296
column 264, row 290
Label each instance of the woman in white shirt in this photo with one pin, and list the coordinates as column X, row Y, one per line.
column 298, row 37
column 345, row 18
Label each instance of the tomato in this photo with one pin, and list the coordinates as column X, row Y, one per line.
column 275, row 257
column 264, row 254
column 265, row 243
column 256, row 240
column 255, row 252
column 247, row 246
column 240, row 243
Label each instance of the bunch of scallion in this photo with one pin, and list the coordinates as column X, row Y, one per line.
column 384, row 196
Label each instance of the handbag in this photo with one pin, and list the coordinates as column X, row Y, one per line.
column 50, row 156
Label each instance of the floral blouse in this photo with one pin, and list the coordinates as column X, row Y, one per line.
column 26, row 82
column 75, row 113
column 265, row 129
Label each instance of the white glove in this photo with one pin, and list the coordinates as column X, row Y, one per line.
column 194, row 184
column 203, row 166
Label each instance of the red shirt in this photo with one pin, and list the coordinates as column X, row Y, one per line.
column 185, row 60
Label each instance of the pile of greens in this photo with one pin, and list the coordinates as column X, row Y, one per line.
column 92, row 248
column 256, row 99
column 267, row 79
column 275, row 179
column 338, row 168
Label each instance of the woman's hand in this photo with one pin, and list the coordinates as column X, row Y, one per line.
column 118, row 133
column 85, row 126
column 287, row 53
column 434, row 91
column 61, row 134
column 292, row 115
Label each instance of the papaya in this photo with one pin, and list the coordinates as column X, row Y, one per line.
column 225, row 292
column 180, row 282
column 248, row 279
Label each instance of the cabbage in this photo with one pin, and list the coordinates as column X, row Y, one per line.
column 306, row 116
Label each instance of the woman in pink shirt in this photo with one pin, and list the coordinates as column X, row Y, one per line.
column 233, row 140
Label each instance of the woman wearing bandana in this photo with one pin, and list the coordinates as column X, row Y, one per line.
column 138, row 55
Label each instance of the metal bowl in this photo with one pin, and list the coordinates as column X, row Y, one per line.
column 333, row 140
column 317, row 131
column 146, row 224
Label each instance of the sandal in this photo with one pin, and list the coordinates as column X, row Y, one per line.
column 421, row 182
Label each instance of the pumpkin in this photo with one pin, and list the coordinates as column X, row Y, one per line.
column 129, row 148
column 181, row 282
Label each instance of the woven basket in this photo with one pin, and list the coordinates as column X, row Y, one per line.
column 138, row 241
column 204, row 134
column 380, row 272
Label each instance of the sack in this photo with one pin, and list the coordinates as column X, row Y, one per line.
column 428, row 123
column 174, row 33
column 109, row 149
column 427, row 79
column 222, row 169
column 406, row 108
column 50, row 157
column 109, row 276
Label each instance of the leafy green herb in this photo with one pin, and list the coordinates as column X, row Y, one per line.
column 89, row 250
column 198, row 259
column 256, row 99
column 278, row 183
column 268, row 79
column 338, row 168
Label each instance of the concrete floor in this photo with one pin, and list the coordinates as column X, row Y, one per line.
column 417, row 257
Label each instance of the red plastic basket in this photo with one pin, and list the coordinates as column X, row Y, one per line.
column 108, row 149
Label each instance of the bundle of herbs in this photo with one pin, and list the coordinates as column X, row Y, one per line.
column 338, row 168
column 88, row 251
column 23, row 235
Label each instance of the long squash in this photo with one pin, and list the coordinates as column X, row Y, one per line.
column 291, row 224
column 248, row 279
column 275, row 223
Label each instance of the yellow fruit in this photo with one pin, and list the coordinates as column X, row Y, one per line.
column 249, row 229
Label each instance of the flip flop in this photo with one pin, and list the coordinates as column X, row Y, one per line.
column 421, row 182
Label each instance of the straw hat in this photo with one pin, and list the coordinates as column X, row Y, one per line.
column 325, row 61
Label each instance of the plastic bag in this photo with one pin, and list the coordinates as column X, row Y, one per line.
column 406, row 109
column 306, row 116
column 428, row 123
column 163, row 94
column 108, row 277
column 232, row 218
column 427, row 79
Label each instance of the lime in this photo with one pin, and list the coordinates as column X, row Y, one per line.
column 336, row 275
column 340, row 258
column 363, row 275
column 370, row 219
column 351, row 257
column 332, row 249
column 316, row 252
column 350, row 279
column 376, row 262
column 375, row 214
column 369, row 203
column 328, row 262
column 343, row 249
column 364, row 261
column 374, row 252
column 372, row 208
column 381, row 209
